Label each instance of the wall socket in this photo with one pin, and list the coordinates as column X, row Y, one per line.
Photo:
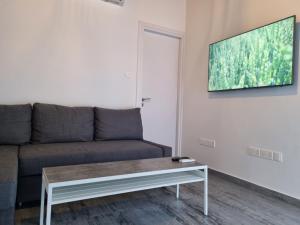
column 264, row 154
column 277, row 156
column 253, row 151
column 207, row 142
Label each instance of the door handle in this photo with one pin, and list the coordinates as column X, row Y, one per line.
column 146, row 99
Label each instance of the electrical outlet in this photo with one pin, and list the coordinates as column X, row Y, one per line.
column 253, row 151
column 277, row 156
column 266, row 154
column 207, row 142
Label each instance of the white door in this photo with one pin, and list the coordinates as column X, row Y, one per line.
column 160, row 77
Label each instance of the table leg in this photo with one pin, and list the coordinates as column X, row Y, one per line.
column 177, row 191
column 49, row 200
column 205, row 192
column 42, row 204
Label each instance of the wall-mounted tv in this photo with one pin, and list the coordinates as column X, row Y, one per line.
column 262, row 57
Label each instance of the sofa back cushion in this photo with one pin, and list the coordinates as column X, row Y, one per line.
column 111, row 124
column 15, row 124
column 54, row 123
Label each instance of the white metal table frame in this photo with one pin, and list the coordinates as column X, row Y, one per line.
column 76, row 190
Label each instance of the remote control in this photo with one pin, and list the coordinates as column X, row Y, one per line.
column 178, row 158
column 186, row 160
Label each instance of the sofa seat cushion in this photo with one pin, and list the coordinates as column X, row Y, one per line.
column 8, row 176
column 54, row 124
column 15, row 124
column 35, row 157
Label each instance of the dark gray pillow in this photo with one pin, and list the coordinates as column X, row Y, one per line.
column 15, row 124
column 54, row 123
column 113, row 124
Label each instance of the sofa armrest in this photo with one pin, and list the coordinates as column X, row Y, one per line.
column 167, row 150
column 8, row 176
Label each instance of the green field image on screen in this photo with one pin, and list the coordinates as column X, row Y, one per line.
column 259, row 58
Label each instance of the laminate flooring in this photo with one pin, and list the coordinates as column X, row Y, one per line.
column 229, row 204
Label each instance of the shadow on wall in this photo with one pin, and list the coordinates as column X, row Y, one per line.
column 269, row 91
column 221, row 21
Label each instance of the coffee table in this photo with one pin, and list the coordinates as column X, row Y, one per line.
column 74, row 183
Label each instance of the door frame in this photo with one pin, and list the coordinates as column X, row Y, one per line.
column 148, row 27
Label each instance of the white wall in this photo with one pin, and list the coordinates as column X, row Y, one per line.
column 267, row 118
column 75, row 52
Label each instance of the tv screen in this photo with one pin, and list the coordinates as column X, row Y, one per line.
column 262, row 57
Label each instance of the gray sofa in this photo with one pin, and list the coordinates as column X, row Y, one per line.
column 50, row 135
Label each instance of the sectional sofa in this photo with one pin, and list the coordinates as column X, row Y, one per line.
column 44, row 135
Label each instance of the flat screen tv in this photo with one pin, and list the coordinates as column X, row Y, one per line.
column 262, row 57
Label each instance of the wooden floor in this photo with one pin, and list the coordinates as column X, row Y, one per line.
column 229, row 204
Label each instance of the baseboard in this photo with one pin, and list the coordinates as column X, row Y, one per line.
column 257, row 188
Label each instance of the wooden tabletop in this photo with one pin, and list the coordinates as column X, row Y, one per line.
column 96, row 170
